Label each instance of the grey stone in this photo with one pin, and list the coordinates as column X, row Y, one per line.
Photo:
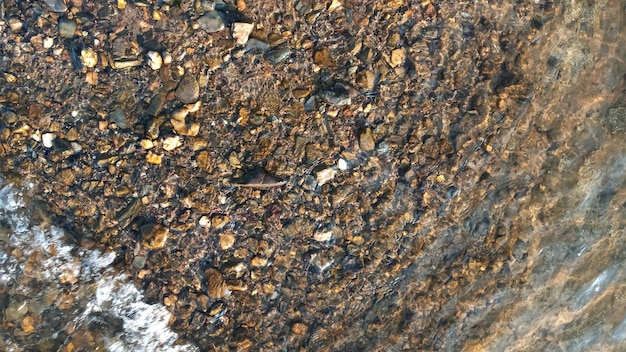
column 56, row 5
column 67, row 28
column 211, row 22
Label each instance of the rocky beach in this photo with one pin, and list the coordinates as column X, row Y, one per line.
column 314, row 176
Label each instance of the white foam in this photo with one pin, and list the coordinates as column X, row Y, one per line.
column 98, row 287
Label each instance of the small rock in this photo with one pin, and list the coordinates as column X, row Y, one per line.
column 298, row 328
column 216, row 286
column 366, row 140
column 155, row 61
column 336, row 96
column 155, row 159
column 204, row 221
column 241, row 32
column 171, row 143
column 219, row 221
column 47, row 139
column 119, row 118
column 342, row 165
column 56, row 5
column 67, row 27
column 256, row 45
column 227, row 240
column 323, row 236
column 15, row 24
column 397, row 57
column 258, row 262
column 89, row 57
column 278, row 55
column 154, row 236
column 322, row 58
column 48, row 43
column 326, row 175
column 211, row 22
column 188, row 89
column 365, row 79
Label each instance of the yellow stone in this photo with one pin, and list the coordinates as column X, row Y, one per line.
column 153, row 158
column 258, row 262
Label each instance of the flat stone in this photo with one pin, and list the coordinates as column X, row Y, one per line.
column 188, row 89
column 211, row 22
column 67, row 28
column 241, row 32
column 56, row 5
column 366, row 140
column 255, row 45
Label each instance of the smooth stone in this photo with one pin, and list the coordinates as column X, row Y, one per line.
column 56, row 5
column 67, row 28
column 255, row 45
column 188, row 90
column 119, row 118
column 278, row 55
column 211, row 22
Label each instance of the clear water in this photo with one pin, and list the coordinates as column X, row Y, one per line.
column 80, row 299
column 542, row 216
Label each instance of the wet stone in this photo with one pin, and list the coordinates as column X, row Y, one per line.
column 366, row 140
column 128, row 214
column 67, row 27
column 278, row 55
column 255, row 46
column 154, row 236
column 188, row 89
column 216, row 286
column 56, row 5
column 336, row 96
column 211, row 22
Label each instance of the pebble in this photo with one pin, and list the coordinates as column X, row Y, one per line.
column 227, row 240
column 15, row 24
column 366, row 140
column 155, row 61
column 326, row 175
column 256, row 45
column 47, row 139
column 323, row 236
column 211, row 22
column 241, row 32
column 397, row 57
column 56, row 5
column 48, row 43
column 258, row 262
column 171, row 143
column 89, row 57
column 119, row 118
column 322, row 58
column 155, row 159
column 188, row 89
column 154, row 236
column 219, row 221
column 342, row 164
column 216, row 286
column 278, row 55
column 298, row 328
column 67, row 27
column 365, row 79
column 336, row 96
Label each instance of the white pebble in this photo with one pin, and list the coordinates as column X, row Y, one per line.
column 204, row 221
column 171, row 143
column 326, row 175
column 342, row 165
column 48, row 43
column 323, row 236
column 155, row 60
column 47, row 139
column 89, row 57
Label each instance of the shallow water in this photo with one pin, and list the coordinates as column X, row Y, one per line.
column 541, row 218
column 79, row 300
